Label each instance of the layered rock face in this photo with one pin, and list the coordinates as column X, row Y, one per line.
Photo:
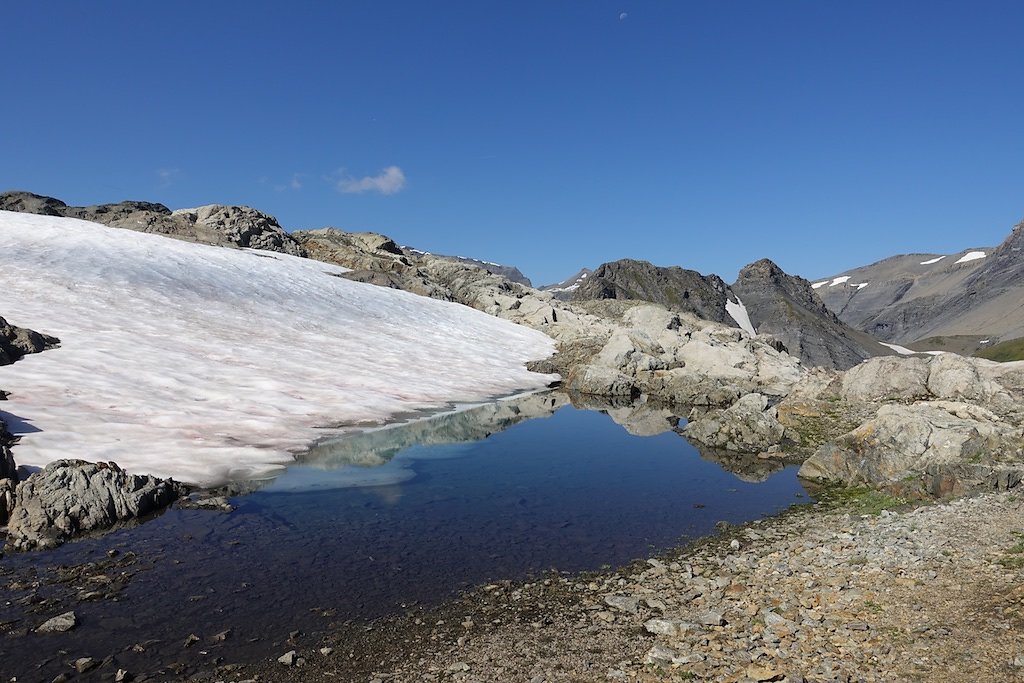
column 71, row 497
column 237, row 226
column 787, row 308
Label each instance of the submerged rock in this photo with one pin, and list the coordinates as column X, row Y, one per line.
column 748, row 426
column 71, row 497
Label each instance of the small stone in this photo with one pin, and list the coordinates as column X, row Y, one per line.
column 122, row 676
column 59, row 624
column 763, row 673
column 289, row 658
column 858, row 626
column 327, row 651
column 83, row 664
column 734, row 544
column 222, row 636
column 458, row 666
column 625, row 603
column 665, row 627
column 191, row 640
column 61, row 678
column 712, row 618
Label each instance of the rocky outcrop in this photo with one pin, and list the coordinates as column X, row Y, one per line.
column 787, row 308
column 15, row 342
column 563, row 290
column 684, row 361
column 678, row 289
column 937, row 426
column 237, row 226
column 241, row 226
column 72, row 497
column 748, row 426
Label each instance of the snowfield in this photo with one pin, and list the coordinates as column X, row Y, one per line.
column 210, row 364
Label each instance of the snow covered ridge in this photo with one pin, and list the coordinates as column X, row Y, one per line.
column 841, row 280
column 209, row 364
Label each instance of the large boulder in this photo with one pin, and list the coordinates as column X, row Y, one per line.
column 887, row 378
column 72, row 497
column 747, row 426
column 934, row 447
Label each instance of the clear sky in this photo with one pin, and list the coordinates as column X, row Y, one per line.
column 549, row 135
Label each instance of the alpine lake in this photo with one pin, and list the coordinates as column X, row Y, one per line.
column 382, row 521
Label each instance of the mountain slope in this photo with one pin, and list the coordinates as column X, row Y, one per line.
column 907, row 298
column 787, row 308
column 563, row 290
column 210, row 364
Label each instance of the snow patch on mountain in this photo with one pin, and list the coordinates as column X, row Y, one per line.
column 210, row 364
column 971, row 256
column 931, row 261
column 738, row 312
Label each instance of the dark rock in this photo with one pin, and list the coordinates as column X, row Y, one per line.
column 675, row 288
column 70, row 497
column 787, row 308
column 15, row 342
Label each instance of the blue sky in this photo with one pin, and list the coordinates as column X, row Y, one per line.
column 549, row 135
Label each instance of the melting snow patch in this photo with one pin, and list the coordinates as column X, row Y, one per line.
column 209, row 364
column 902, row 350
column 839, row 280
column 738, row 312
column 861, row 285
column 971, row 256
column 931, row 261
column 816, row 285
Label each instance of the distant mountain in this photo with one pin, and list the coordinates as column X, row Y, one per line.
column 508, row 272
column 787, row 307
column 563, row 290
column 676, row 288
column 976, row 293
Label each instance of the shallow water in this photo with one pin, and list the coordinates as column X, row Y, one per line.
column 366, row 526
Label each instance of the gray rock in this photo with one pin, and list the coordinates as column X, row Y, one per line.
column 789, row 309
column 624, row 603
column 59, row 624
column 289, row 658
column 748, row 426
column 15, row 342
column 70, row 497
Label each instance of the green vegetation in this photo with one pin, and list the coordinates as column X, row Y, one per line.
column 1014, row 558
column 1003, row 352
column 863, row 500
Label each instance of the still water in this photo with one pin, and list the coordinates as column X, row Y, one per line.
column 415, row 514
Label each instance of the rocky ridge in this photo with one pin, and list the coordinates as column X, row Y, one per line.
column 236, row 226
column 15, row 342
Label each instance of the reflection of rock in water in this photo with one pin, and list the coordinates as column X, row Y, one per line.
column 377, row 447
column 747, row 466
column 644, row 416
column 647, row 417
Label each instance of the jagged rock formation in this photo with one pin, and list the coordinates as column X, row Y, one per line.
column 914, row 297
column 748, row 426
column 15, row 342
column 787, row 308
column 678, row 289
column 72, row 497
column 237, row 226
column 510, row 273
column 8, row 474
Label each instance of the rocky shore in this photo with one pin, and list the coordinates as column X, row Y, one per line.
column 864, row 589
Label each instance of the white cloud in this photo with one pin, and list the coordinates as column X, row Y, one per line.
column 167, row 176
column 623, row 16
column 294, row 184
column 388, row 181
